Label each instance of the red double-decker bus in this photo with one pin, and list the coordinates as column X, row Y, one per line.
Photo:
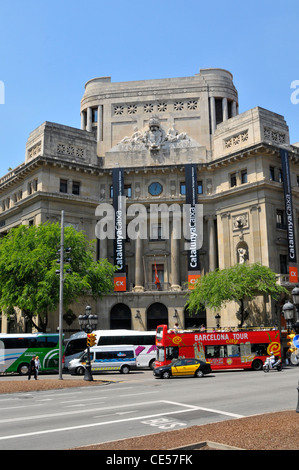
column 236, row 349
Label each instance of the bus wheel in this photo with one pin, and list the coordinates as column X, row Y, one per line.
column 257, row 365
column 80, row 371
column 152, row 364
column 23, row 369
column 125, row 370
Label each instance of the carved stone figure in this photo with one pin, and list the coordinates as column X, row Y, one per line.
column 155, row 136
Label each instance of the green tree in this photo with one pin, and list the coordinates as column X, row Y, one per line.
column 237, row 283
column 28, row 265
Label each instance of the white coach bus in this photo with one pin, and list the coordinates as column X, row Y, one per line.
column 143, row 341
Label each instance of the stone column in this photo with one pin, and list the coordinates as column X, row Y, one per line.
column 213, row 114
column 104, row 248
column 225, row 245
column 256, row 234
column 100, row 123
column 83, row 121
column 212, row 243
column 224, row 109
column 139, row 278
column 89, row 119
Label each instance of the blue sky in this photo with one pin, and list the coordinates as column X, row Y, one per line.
column 49, row 50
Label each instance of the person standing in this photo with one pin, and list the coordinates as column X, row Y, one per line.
column 32, row 368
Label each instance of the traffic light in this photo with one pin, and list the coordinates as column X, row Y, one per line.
column 91, row 339
column 290, row 343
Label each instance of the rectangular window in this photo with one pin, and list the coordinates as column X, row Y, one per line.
column 244, row 177
column 199, row 187
column 156, row 232
column 272, row 173
column 283, row 262
column 183, row 189
column 280, row 219
column 233, row 180
column 63, row 186
column 128, row 190
column 76, row 188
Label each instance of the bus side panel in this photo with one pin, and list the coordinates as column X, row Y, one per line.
column 145, row 354
column 99, row 365
column 10, row 359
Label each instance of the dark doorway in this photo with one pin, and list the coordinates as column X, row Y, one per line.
column 195, row 320
column 120, row 317
column 157, row 314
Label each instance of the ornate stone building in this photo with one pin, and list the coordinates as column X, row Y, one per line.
column 150, row 132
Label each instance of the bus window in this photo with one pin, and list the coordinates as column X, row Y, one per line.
column 161, row 354
column 233, row 350
column 259, row 349
column 216, row 351
column 172, row 352
column 75, row 346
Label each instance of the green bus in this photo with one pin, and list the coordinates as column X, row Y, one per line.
column 17, row 349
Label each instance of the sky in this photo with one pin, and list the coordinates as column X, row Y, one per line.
column 49, row 50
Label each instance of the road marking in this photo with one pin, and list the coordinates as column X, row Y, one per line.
column 141, row 393
column 90, row 425
column 210, row 410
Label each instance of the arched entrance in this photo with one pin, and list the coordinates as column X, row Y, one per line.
column 157, row 314
column 195, row 320
column 120, row 317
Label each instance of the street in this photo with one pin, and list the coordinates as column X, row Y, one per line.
column 138, row 404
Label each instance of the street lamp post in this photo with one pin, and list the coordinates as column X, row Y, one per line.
column 288, row 312
column 87, row 323
column 217, row 318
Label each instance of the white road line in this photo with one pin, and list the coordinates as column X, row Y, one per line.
column 141, row 393
column 211, row 410
column 68, row 413
column 90, row 425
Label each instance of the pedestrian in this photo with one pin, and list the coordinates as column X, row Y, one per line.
column 37, row 365
column 32, row 368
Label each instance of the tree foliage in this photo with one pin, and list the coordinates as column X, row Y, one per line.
column 237, row 283
column 28, row 265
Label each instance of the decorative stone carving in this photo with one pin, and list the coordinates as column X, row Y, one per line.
column 154, row 138
column 70, row 150
column 274, row 136
column 236, row 139
column 240, row 221
column 35, row 150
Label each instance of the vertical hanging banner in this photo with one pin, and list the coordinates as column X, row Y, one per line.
column 293, row 268
column 120, row 229
column 192, row 224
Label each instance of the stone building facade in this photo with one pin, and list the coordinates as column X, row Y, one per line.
column 152, row 130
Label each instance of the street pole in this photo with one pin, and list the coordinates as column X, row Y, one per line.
column 61, row 295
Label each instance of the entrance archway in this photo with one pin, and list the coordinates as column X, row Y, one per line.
column 120, row 317
column 195, row 320
column 157, row 314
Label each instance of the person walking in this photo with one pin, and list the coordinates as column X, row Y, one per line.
column 37, row 365
column 32, row 368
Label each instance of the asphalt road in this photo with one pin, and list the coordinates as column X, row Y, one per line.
column 138, row 404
